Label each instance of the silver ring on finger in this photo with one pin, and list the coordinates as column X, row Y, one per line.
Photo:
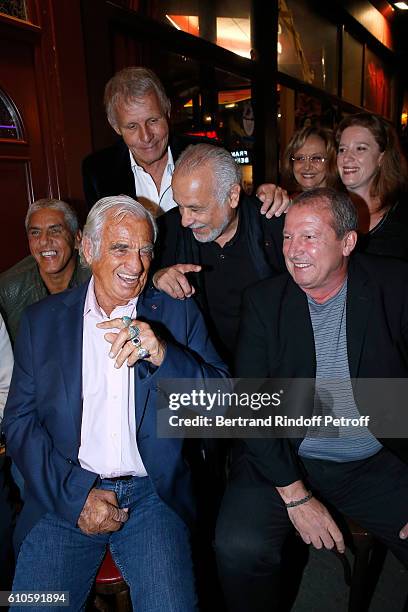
column 136, row 341
column 142, row 352
column 134, row 332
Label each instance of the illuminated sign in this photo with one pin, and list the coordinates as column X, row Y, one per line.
column 241, row 157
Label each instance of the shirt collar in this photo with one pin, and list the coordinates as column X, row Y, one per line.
column 92, row 308
column 169, row 168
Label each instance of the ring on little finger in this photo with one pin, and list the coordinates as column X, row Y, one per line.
column 142, row 353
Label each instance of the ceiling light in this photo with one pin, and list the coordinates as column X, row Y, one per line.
column 401, row 5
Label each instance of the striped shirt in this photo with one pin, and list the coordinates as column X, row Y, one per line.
column 334, row 393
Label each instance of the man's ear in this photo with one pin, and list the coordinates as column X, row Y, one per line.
column 87, row 249
column 234, row 194
column 349, row 243
column 78, row 238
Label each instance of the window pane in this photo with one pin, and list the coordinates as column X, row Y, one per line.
column 404, row 125
column 15, row 8
column 10, row 128
column 307, row 45
column 224, row 22
column 377, row 85
column 352, row 69
column 235, row 121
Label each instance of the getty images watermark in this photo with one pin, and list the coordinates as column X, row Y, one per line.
column 271, row 408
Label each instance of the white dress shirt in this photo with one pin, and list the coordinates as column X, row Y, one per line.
column 108, row 430
column 6, row 365
column 146, row 190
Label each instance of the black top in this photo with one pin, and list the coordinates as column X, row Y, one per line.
column 228, row 271
column 389, row 238
column 253, row 254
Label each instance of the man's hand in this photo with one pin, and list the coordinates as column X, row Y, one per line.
column 101, row 513
column 311, row 519
column 275, row 200
column 123, row 349
column 403, row 534
column 315, row 525
column 173, row 280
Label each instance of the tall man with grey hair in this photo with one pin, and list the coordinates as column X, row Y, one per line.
column 335, row 317
column 141, row 163
column 53, row 237
column 216, row 244
column 82, row 428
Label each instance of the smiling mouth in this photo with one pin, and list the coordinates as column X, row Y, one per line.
column 129, row 279
column 301, row 265
column 348, row 171
column 48, row 253
column 150, row 147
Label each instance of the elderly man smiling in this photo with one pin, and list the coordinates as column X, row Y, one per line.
column 82, row 429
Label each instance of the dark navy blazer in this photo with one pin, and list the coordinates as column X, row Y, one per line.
column 43, row 414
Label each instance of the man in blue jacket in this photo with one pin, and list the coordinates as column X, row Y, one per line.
column 82, row 429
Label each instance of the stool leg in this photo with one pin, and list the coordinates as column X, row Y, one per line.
column 100, row 604
column 123, row 602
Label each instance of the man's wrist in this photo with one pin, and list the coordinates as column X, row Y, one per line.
column 293, row 492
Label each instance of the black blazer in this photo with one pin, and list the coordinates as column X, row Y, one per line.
column 108, row 172
column 276, row 341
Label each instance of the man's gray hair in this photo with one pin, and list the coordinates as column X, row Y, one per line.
column 70, row 216
column 131, row 84
column 226, row 172
column 95, row 221
column 342, row 209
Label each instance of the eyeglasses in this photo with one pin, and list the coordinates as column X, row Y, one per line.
column 315, row 160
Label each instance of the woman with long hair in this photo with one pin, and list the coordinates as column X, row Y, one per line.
column 374, row 172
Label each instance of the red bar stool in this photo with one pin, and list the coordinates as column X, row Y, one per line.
column 109, row 581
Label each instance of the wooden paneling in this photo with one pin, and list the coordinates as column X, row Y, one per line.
column 23, row 168
column 42, row 70
column 15, row 180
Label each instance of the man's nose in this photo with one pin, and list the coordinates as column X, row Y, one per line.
column 44, row 238
column 134, row 263
column 145, row 133
column 294, row 248
column 187, row 218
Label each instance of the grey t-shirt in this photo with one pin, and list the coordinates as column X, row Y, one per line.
column 334, row 393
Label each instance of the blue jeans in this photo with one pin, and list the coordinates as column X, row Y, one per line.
column 152, row 551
